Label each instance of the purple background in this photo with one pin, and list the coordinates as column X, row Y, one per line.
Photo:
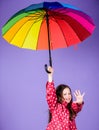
column 22, row 76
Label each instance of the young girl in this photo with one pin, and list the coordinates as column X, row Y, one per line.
column 61, row 106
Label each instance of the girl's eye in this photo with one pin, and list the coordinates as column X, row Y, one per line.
column 67, row 94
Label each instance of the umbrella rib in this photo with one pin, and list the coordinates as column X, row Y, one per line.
column 60, row 29
column 64, row 15
column 38, row 19
column 68, row 24
column 18, row 30
column 73, row 27
column 30, row 29
column 61, row 18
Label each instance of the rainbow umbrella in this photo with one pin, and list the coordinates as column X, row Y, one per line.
column 47, row 26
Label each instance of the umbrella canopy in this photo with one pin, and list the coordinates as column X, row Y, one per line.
column 48, row 25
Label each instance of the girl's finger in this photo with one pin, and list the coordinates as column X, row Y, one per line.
column 83, row 94
column 77, row 92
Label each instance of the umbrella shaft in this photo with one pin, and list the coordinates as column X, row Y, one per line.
column 47, row 22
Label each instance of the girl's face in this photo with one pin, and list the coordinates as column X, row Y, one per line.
column 67, row 95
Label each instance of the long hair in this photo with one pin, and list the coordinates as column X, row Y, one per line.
column 59, row 92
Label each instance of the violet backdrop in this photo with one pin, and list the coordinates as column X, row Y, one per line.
column 22, row 76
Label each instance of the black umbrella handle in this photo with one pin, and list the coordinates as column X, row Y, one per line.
column 50, row 63
column 46, row 69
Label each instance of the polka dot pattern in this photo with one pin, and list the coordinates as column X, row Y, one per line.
column 60, row 114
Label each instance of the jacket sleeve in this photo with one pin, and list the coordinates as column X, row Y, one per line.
column 77, row 107
column 51, row 95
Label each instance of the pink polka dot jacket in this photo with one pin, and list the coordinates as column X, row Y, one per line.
column 60, row 114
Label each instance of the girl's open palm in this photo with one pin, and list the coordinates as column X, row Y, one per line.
column 78, row 96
